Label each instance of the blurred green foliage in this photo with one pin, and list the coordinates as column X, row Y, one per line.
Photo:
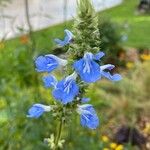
column 136, row 25
column 111, row 40
column 115, row 101
column 4, row 2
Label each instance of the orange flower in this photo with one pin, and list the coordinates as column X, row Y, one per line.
column 24, row 39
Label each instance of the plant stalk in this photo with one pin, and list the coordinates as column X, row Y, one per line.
column 58, row 136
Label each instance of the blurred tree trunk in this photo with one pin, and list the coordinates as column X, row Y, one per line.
column 30, row 29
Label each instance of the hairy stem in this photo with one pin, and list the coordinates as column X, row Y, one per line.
column 58, row 136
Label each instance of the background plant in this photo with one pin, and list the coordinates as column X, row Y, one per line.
column 111, row 40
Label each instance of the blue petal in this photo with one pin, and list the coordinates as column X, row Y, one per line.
column 67, row 39
column 99, row 55
column 89, row 72
column 90, row 121
column 88, row 116
column 37, row 110
column 108, row 66
column 60, row 42
column 85, row 100
column 106, row 74
column 66, row 91
column 49, row 81
column 87, row 107
column 46, row 64
column 115, row 77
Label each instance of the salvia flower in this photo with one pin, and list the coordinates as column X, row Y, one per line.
column 66, row 89
column 68, row 38
column 106, row 74
column 90, row 71
column 88, row 68
column 37, row 110
column 48, row 63
column 49, row 81
column 88, row 116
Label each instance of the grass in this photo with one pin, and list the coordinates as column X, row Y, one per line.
column 138, row 25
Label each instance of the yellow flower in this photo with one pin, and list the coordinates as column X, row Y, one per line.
column 105, row 148
column 119, row 147
column 113, row 145
column 147, row 128
column 145, row 56
column 129, row 65
column 2, row 45
column 105, row 138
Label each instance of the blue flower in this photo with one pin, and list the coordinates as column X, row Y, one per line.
column 106, row 74
column 88, row 116
column 88, row 68
column 49, row 81
column 85, row 100
column 67, row 39
column 37, row 110
column 66, row 89
column 48, row 63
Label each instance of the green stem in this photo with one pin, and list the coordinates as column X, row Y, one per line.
column 58, row 134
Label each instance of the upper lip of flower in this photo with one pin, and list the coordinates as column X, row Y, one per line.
column 68, row 34
column 60, row 61
column 73, row 76
column 82, row 108
column 67, row 39
column 108, row 66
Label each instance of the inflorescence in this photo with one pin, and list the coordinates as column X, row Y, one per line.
column 86, row 70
